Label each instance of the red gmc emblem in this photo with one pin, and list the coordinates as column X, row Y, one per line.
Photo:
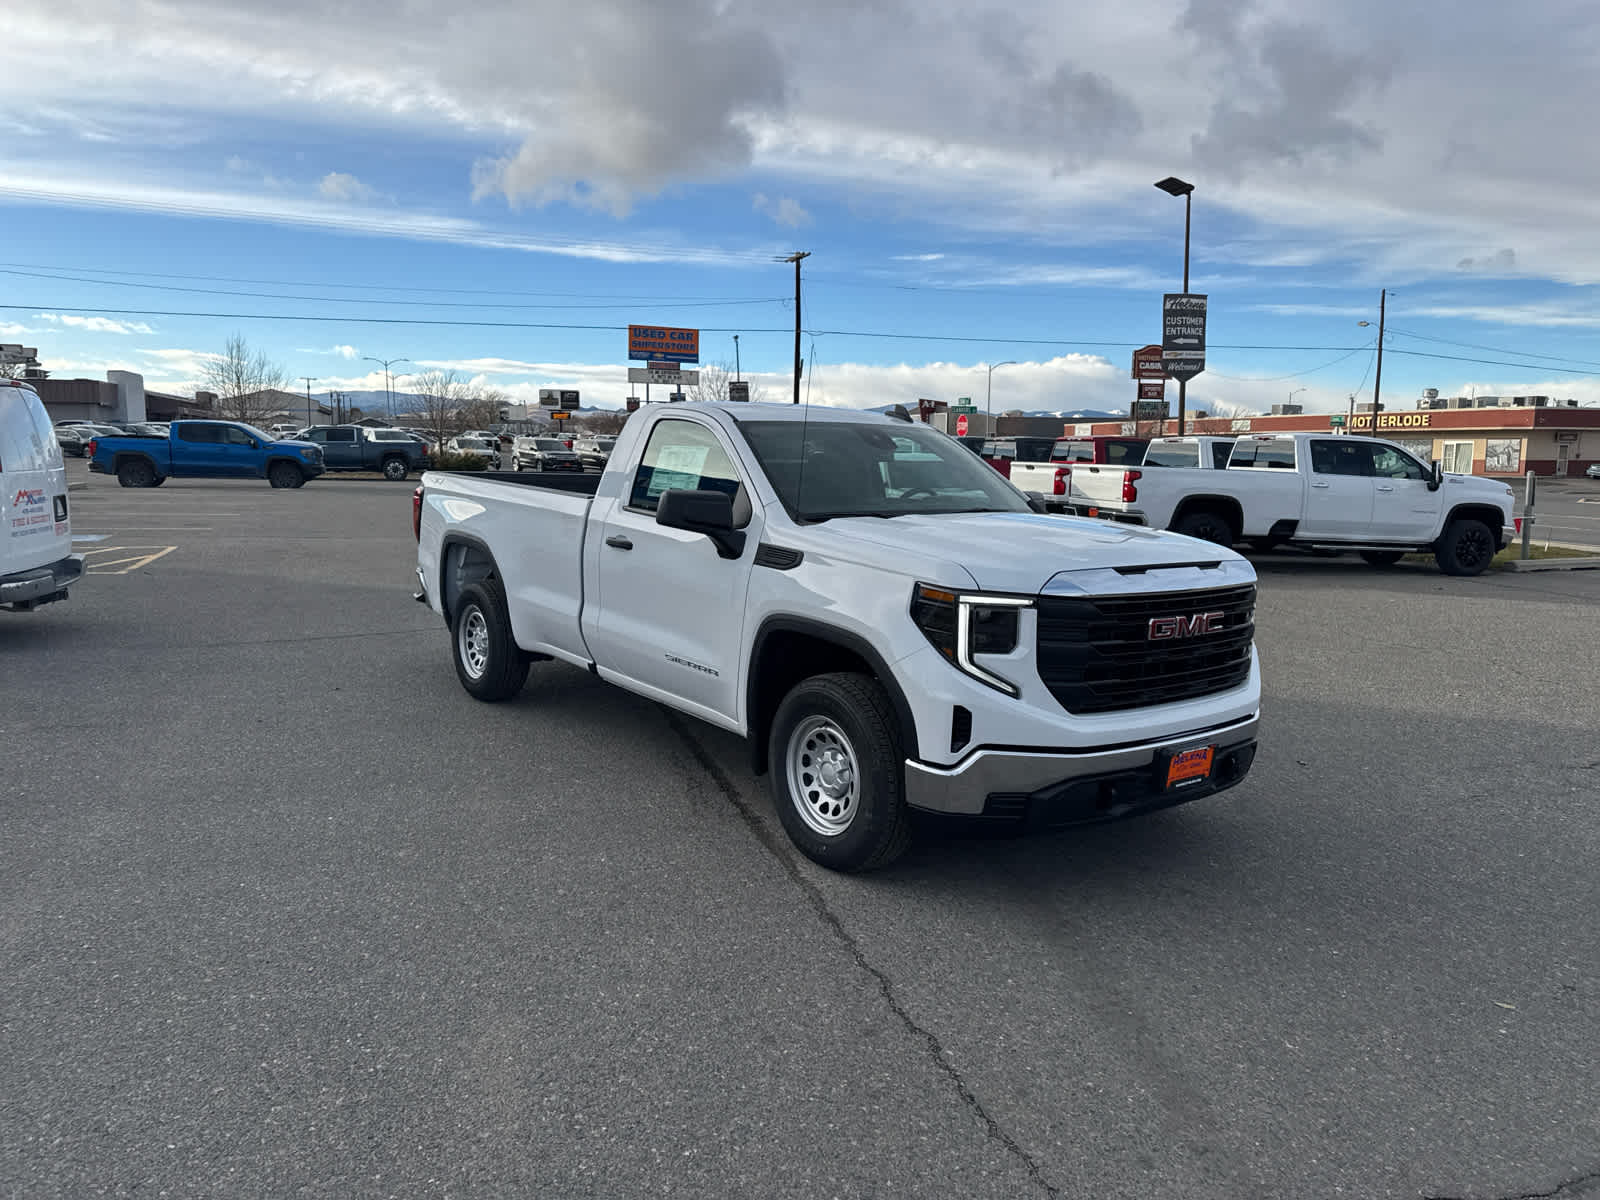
column 1163, row 629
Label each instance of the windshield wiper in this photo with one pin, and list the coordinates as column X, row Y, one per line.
column 828, row 516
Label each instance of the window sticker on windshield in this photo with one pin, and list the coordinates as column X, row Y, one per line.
column 677, row 467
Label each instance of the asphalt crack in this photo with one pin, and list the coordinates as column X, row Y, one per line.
column 1565, row 1187
column 936, row 1052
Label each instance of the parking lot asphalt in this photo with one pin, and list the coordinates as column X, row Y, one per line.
column 282, row 910
column 1566, row 511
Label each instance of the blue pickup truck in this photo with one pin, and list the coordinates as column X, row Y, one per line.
column 206, row 450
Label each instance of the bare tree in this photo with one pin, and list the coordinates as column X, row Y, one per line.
column 246, row 381
column 714, row 381
column 602, row 422
column 10, row 370
column 441, row 397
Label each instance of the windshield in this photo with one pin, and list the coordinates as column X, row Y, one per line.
column 551, row 444
column 255, row 433
column 862, row 469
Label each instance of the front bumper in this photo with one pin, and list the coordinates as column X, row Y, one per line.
column 1509, row 536
column 1054, row 787
column 40, row 585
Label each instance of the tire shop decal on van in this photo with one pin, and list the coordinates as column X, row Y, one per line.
column 30, row 507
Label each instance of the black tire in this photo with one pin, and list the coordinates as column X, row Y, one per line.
column 1383, row 558
column 1208, row 525
column 1265, row 545
column 136, row 473
column 395, row 469
column 848, row 718
column 160, row 479
column 285, row 475
column 1466, row 547
column 488, row 662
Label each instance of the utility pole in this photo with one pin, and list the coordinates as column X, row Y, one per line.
column 309, row 381
column 796, row 259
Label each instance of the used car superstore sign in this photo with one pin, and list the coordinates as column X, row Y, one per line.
column 654, row 342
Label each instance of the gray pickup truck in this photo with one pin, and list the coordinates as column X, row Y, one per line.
column 357, row 448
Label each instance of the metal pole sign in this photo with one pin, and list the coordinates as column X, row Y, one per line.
column 1183, row 334
column 738, row 390
column 674, row 377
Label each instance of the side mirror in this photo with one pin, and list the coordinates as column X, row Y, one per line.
column 1436, row 479
column 708, row 512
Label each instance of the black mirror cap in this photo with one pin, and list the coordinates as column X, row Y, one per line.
column 1436, row 478
column 697, row 510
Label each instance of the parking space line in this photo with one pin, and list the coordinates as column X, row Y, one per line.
column 143, row 558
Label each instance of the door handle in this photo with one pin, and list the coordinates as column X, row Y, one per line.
column 617, row 542
column 1323, row 485
column 1385, row 488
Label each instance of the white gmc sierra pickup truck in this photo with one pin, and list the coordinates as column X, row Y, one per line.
column 886, row 620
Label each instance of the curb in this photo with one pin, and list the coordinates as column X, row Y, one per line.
column 1552, row 564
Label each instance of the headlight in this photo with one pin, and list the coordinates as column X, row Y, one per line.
column 962, row 624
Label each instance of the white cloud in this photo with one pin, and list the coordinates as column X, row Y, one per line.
column 336, row 185
column 94, row 324
column 785, row 211
column 11, row 329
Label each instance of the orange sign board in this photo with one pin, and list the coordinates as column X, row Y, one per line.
column 659, row 343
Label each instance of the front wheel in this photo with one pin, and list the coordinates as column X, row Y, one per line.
column 488, row 662
column 836, row 772
column 284, row 475
column 394, row 469
column 1383, row 558
column 1465, row 548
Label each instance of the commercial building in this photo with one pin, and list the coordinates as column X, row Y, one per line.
column 121, row 396
column 1504, row 440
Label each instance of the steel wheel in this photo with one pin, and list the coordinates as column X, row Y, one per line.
column 824, row 776
column 472, row 641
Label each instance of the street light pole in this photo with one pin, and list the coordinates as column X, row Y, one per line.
column 988, row 398
column 310, row 379
column 1295, row 393
column 1174, row 186
column 737, row 374
column 388, row 387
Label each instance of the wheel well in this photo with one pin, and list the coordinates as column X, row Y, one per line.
column 464, row 563
column 783, row 656
column 1490, row 516
column 127, row 456
column 1224, row 506
column 272, row 462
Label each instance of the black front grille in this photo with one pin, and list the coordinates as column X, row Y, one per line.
column 1096, row 655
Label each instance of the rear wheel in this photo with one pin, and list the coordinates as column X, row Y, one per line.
column 1206, row 524
column 284, row 475
column 394, row 469
column 1383, row 558
column 836, row 774
column 1465, row 548
column 136, row 473
column 488, row 662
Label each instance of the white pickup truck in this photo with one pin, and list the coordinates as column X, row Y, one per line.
column 1316, row 490
column 886, row 620
column 1051, row 481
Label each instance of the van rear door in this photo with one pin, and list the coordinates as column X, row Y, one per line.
column 34, row 526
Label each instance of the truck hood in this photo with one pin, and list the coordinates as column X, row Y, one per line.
column 1021, row 552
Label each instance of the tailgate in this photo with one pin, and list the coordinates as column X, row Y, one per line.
column 1097, row 484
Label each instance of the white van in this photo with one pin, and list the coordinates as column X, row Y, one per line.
column 36, row 560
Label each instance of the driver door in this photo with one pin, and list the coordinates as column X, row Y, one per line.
column 670, row 609
column 1404, row 507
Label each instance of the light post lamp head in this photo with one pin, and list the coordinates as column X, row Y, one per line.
column 1173, row 186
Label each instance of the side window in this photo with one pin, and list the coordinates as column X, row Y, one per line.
column 1390, row 463
column 205, row 434
column 235, row 436
column 1125, row 454
column 341, row 435
column 319, row 436
column 1178, row 454
column 686, row 455
column 1340, row 456
column 1278, row 453
column 1219, row 454
column 1244, row 455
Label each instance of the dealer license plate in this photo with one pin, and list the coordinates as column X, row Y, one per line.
column 1188, row 767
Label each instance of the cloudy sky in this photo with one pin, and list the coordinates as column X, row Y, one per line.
column 503, row 187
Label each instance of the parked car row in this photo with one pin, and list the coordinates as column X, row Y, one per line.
column 73, row 436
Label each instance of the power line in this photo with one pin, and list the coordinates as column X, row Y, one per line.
column 1494, row 349
column 1280, row 378
column 167, row 287
column 17, row 267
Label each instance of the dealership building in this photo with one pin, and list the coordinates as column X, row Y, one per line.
column 1487, row 435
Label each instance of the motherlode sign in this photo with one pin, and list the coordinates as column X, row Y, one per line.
column 661, row 344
